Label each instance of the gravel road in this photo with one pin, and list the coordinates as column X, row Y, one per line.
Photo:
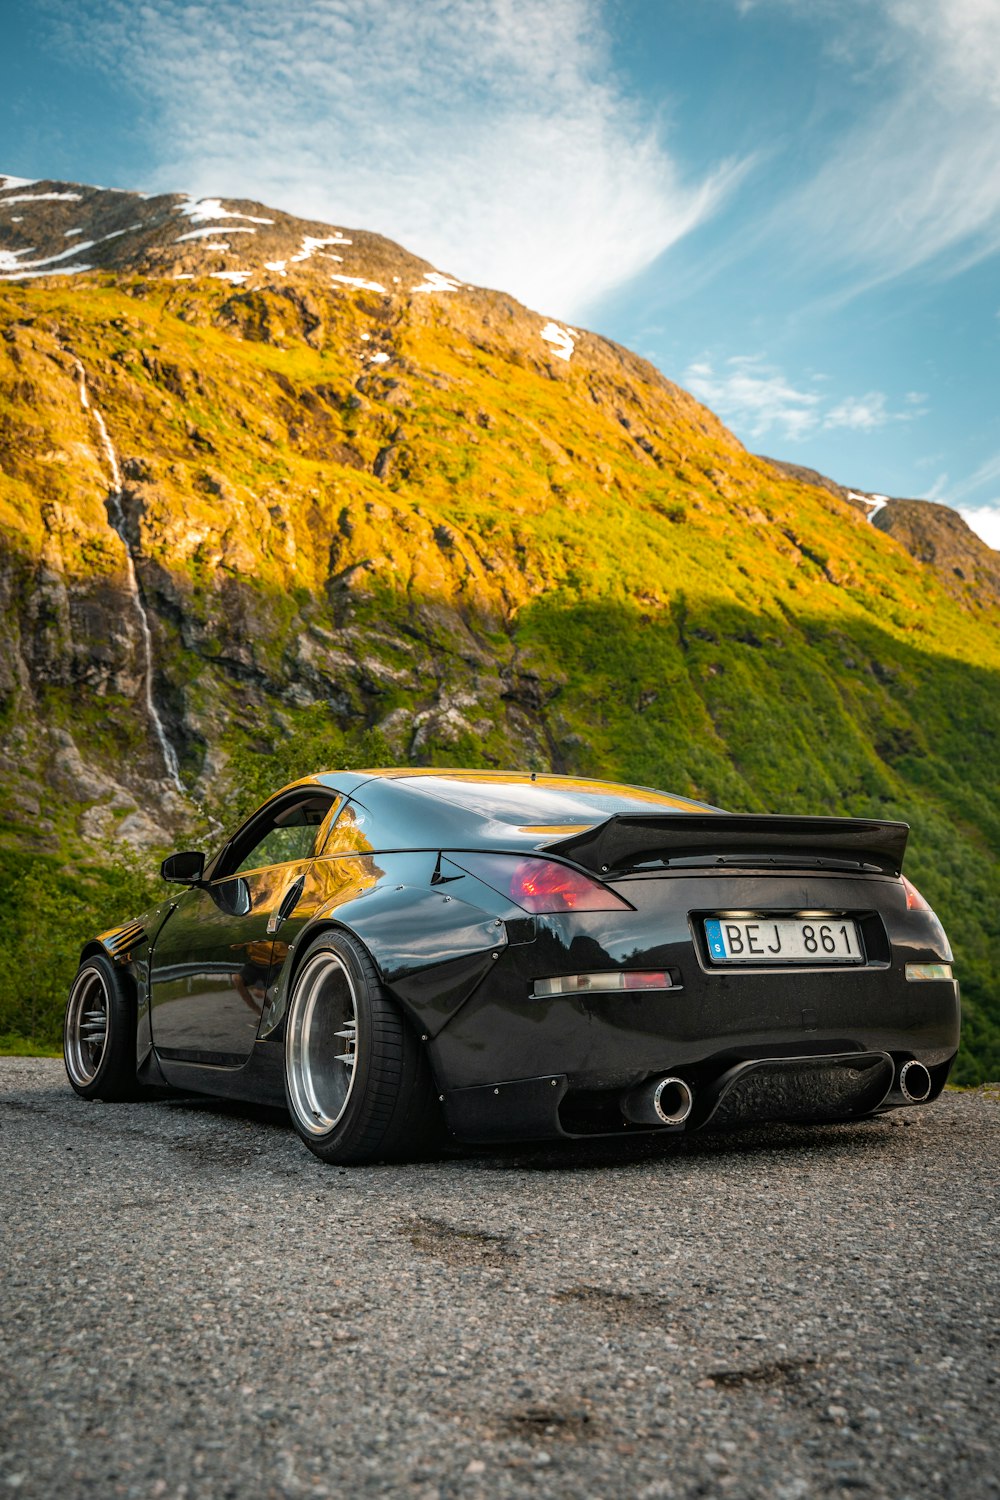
column 194, row 1306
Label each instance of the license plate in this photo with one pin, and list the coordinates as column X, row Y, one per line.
column 783, row 940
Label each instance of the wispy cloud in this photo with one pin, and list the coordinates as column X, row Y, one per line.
column 491, row 138
column 985, row 477
column 754, row 396
column 860, row 413
column 758, row 398
column 984, row 518
column 915, row 183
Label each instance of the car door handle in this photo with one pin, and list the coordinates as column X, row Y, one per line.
column 289, row 902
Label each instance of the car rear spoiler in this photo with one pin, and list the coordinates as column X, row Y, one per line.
column 629, row 839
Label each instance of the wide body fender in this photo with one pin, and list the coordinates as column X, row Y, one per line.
column 129, row 947
column 431, row 947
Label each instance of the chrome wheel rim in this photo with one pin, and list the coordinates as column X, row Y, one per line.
column 322, row 1047
column 87, row 1020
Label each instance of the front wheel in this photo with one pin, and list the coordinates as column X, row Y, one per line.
column 358, row 1084
column 99, row 1033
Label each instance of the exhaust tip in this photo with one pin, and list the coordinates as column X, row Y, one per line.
column 673, row 1100
column 914, row 1082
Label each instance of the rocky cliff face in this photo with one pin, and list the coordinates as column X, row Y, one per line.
column 246, row 478
column 938, row 536
column 935, row 535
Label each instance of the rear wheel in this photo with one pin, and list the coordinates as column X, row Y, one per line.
column 99, row 1033
column 358, row 1085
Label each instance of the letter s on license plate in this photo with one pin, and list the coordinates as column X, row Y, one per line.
column 783, row 940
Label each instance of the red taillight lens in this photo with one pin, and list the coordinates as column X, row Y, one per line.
column 637, row 979
column 541, row 885
column 914, row 900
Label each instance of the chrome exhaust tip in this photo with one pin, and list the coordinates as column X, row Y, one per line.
column 673, row 1100
column 663, row 1101
column 914, row 1082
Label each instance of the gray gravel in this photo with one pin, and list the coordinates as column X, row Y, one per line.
column 194, row 1306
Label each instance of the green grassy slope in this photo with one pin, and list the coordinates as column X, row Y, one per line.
column 492, row 556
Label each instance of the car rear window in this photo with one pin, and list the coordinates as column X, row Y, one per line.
column 548, row 799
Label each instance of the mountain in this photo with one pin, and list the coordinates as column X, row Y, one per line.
column 933, row 534
column 259, row 474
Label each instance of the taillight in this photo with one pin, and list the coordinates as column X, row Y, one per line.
column 540, row 885
column 601, row 983
column 914, row 900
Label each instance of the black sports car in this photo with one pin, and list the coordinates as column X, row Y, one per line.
column 512, row 956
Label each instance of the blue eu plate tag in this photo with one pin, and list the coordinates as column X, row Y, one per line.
column 713, row 932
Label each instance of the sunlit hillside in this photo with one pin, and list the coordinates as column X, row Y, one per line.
column 356, row 494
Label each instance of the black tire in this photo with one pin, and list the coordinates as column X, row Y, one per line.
column 99, row 1033
column 358, row 1084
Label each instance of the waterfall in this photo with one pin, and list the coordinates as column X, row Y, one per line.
column 117, row 518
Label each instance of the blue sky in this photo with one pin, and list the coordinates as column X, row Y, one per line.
column 791, row 206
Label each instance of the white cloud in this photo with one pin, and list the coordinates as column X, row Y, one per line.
column 490, row 138
column 861, row 413
column 916, row 181
column 757, row 398
column 754, row 396
column 985, row 520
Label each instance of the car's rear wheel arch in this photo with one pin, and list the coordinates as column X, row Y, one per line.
column 406, row 1119
column 306, row 940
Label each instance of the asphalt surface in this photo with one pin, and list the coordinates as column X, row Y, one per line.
column 194, row 1306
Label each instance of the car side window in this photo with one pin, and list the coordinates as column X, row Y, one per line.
column 351, row 833
column 281, row 834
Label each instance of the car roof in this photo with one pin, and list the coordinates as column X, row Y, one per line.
column 436, row 779
column 425, row 807
column 465, row 774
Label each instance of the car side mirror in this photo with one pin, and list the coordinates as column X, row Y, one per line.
column 186, row 868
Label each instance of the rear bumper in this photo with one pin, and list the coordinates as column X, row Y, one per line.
column 496, row 1057
column 614, row 1040
column 811, row 1089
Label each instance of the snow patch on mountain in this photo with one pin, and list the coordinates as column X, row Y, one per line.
column 205, row 234
column 310, row 244
column 275, row 265
column 358, row 281
column 12, row 262
column 200, row 210
column 7, row 182
column 236, row 277
column 60, row 271
column 9, row 259
column 6, row 200
column 561, row 338
column 436, row 281
column 872, row 503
